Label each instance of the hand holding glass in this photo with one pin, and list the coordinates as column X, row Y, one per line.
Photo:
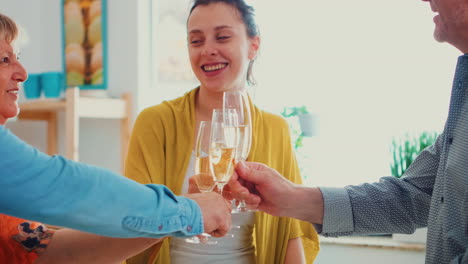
column 203, row 176
column 239, row 101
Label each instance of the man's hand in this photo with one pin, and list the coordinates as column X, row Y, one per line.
column 216, row 212
column 257, row 183
column 263, row 186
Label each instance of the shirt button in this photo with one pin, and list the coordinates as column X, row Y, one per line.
column 189, row 228
column 160, row 227
column 460, row 85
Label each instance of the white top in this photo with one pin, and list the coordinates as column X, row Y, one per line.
column 238, row 249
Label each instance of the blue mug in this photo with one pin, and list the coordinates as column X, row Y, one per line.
column 52, row 84
column 32, row 86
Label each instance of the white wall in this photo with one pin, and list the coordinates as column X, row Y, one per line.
column 129, row 69
column 41, row 21
column 369, row 70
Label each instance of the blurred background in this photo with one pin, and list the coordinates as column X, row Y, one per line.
column 367, row 72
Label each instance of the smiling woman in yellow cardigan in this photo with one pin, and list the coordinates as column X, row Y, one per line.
column 160, row 151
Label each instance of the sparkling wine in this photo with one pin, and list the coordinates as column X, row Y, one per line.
column 222, row 159
column 243, row 146
column 203, row 176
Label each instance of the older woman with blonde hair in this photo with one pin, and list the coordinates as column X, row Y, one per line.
column 60, row 192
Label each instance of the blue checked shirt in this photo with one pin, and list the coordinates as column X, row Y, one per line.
column 433, row 192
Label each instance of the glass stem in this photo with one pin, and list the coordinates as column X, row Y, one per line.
column 242, row 204
column 220, row 186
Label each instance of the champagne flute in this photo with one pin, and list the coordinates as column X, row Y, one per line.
column 224, row 135
column 239, row 101
column 223, row 147
column 203, row 176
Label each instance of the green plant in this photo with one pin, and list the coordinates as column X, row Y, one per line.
column 406, row 149
column 291, row 112
column 297, row 136
column 294, row 111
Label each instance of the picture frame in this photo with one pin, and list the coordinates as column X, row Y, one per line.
column 84, row 43
column 171, row 55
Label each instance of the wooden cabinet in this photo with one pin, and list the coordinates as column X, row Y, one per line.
column 76, row 107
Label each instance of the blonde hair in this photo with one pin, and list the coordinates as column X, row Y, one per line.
column 8, row 29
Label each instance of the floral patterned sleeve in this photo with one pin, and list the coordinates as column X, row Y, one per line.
column 22, row 241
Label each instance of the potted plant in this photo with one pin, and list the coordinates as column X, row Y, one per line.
column 406, row 149
column 306, row 123
column 305, row 127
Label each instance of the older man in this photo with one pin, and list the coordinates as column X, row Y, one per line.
column 433, row 191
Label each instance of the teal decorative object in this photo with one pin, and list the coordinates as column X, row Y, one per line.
column 306, row 123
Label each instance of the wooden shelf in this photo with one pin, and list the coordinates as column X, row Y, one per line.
column 76, row 107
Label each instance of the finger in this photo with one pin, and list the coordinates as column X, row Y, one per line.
column 226, row 188
column 252, row 200
column 224, row 228
column 227, row 195
column 193, row 188
column 234, row 176
column 233, row 182
column 217, row 233
column 247, row 173
column 252, row 207
column 220, row 232
column 242, row 181
column 228, row 206
column 236, row 187
column 252, row 204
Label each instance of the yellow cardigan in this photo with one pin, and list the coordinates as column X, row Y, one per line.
column 160, row 151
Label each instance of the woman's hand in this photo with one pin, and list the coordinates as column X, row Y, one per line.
column 193, row 188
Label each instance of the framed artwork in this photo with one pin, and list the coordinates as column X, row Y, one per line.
column 173, row 64
column 84, row 39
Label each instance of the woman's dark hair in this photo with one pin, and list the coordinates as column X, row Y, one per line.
column 247, row 14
